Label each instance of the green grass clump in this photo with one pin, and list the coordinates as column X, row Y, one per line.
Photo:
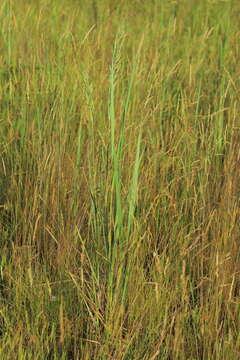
column 119, row 180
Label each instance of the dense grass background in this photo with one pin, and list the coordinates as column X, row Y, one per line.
column 119, row 179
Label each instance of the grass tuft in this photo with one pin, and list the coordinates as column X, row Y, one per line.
column 119, row 180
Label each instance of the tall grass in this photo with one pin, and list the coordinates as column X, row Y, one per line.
column 119, row 180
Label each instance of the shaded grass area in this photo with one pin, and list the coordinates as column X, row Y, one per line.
column 119, row 180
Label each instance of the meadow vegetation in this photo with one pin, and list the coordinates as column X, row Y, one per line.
column 119, row 180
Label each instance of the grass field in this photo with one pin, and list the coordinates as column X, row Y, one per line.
column 119, row 180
